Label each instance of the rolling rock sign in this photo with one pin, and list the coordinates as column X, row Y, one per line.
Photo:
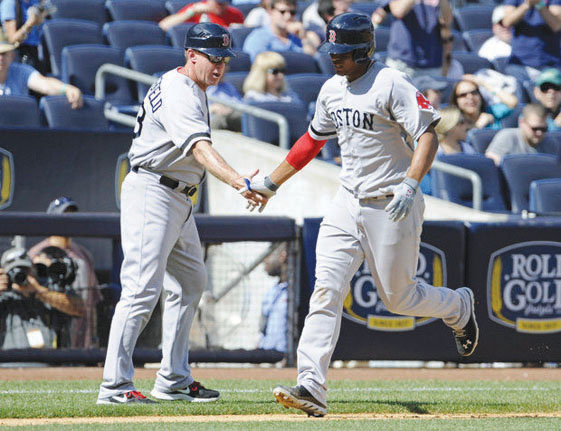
column 524, row 287
column 363, row 305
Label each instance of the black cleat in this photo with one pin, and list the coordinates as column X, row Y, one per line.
column 195, row 392
column 468, row 336
column 298, row 397
column 130, row 397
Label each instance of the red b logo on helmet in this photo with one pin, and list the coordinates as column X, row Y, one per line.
column 331, row 36
column 225, row 40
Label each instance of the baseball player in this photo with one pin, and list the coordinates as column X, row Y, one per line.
column 169, row 154
column 377, row 213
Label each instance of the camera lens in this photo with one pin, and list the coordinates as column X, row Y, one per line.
column 18, row 276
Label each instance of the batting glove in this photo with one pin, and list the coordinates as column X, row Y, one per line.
column 402, row 201
column 261, row 185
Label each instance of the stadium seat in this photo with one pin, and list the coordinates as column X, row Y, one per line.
column 555, row 137
column 382, row 36
column 238, row 35
column 475, row 38
column 471, row 62
column 473, row 17
column 176, row 35
column 19, row 111
column 241, row 62
column 500, row 63
column 144, row 10
column 460, row 190
column 151, row 59
column 267, row 131
column 481, row 138
column 76, row 9
column 511, row 121
column 237, row 79
column 545, row 197
column 60, row 33
column 458, row 43
column 246, row 7
column 124, row 34
column 58, row 114
column 365, row 7
column 174, row 6
column 325, row 64
column 520, row 170
column 80, row 64
column 306, row 85
column 299, row 62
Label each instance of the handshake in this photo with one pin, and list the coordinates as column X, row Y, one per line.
column 262, row 186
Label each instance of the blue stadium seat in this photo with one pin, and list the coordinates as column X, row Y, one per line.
column 382, row 36
column 267, row 131
column 176, row 35
column 299, row 62
column 511, row 121
column 19, row 111
column 152, row 59
column 124, row 34
column 306, row 85
column 480, row 138
column 471, row 62
column 144, row 10
column 460, row 190
column 59, row 115
column 475, row 38
column 325, row 64
column 555, row 137
column 237, row 79
column 458, row 43
column 80, row 64
column 246, row 7
column 500, row 63
column 365, row 7
column 545, row 197
column 173, row 6
column 520, row 170
column 473, row 17
column 94, row 10
column 241, row 62
column 59, row 33
column 238, row 35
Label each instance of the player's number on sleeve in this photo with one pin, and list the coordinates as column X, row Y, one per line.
column 139, row 120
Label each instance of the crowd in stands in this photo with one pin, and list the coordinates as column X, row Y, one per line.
column 486, row 65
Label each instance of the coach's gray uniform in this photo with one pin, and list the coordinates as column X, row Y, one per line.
column 376, row 118
column 160, row 241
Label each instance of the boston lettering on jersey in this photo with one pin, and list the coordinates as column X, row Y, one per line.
column 352, row 117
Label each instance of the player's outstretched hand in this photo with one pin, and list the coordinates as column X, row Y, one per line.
column 402, row 201
column 263, row 186
column 254, row 198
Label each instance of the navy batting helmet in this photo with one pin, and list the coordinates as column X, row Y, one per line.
column 210, row 38
column 350, row 32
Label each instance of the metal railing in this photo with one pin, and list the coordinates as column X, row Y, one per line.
column 112, row 114
column 467, row 174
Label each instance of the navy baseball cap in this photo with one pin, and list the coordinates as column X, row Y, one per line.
column 62, row 205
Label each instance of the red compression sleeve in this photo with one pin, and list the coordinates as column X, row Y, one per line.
column 303, row 151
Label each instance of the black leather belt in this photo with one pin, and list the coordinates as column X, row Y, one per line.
column 173, row 184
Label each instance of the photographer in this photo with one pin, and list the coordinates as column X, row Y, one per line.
column 32, row 314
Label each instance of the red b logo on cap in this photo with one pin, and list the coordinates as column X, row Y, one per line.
column 331, row 36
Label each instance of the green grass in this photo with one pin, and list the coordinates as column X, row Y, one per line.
column 52, row 399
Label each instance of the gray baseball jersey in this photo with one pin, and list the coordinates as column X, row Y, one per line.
column 375, row 118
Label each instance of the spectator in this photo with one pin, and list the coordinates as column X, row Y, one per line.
column 83, row 331
column 17, row 79
column 451, row 131
column 431, row 88
column 28, row 309
column 22, row 22
column 420, row 38
column 536, row 36
column 467, row 97
column 265, row 82
column 274, row 308
column 259, row 16
column 528, row 138
column 216, row 11
column 548, row 94
column 498, row 45
column 222, row 116
column 312, row 16
column 278, row 35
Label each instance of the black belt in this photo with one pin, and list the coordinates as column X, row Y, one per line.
column 173, row 184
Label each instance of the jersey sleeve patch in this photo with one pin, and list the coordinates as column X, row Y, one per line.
column 422, row 102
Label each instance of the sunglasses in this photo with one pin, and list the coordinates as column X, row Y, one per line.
column 216, row 60
column 546, row 86
column 539, row 129
column 292, row 12
column 472, row 92
column 276, row 71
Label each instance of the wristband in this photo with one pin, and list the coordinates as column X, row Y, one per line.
column 270, row 184
column 540, row 5
column 63, row 89
column 414, row 184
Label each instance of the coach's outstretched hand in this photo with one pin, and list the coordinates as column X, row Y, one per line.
column 262, row 185
column 404, row 194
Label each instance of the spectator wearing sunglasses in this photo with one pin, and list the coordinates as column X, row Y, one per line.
column 548, row 94
column 452, row 131
column 528, row 138
column 478, row 114
column 498, row 45
column 265, row 82
column 279, row 35
column 217, row 11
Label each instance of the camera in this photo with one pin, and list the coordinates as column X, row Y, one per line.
column 61, row 271
column 17, row 265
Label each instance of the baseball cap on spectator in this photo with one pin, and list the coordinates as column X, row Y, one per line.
column 62, row 205
column 498, row 14
column 426, row 82
column 551, row 75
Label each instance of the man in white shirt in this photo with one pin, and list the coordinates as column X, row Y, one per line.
column 499, row 44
